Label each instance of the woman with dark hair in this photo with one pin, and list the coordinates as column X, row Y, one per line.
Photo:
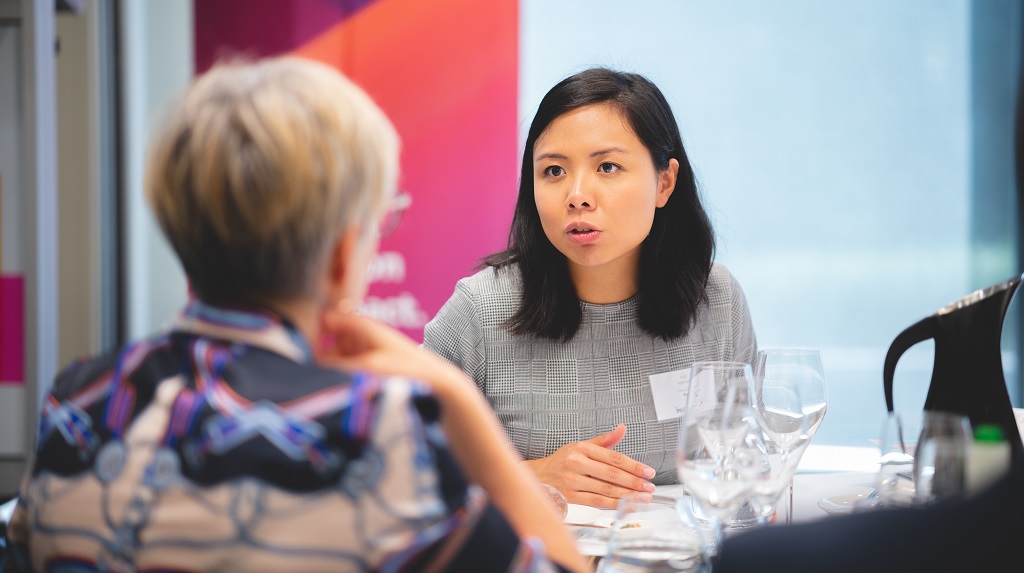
column 606, row 293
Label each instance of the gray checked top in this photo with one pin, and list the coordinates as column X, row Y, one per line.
column 549, row 393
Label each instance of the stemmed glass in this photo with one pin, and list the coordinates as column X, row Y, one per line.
column 768, row 463
column 714, row 424
column 791, row 399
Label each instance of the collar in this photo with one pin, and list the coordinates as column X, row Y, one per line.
column 254, row 327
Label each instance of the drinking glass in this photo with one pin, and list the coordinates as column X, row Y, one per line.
column 769, row 467
column 557, row 499
column 940, row 459
column 652, row 536
column 895, row 480
column 713, row 425
column 784, row 377
column 717, row 396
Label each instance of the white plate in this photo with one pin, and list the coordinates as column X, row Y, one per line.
column 591, row 541
column 841, row 504
column 582, row 514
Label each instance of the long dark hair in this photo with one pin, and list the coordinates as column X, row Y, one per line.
column 676, row 256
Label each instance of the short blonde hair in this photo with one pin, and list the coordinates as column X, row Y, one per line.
column 258, row 170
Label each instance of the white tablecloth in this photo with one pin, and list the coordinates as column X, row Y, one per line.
column 824, row 471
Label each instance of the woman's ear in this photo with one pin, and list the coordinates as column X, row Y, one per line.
column 667, row 182
column 344, row 272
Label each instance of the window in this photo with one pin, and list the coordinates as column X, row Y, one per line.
column 856, row 159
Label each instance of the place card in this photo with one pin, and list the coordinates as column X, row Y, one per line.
column 669, row 390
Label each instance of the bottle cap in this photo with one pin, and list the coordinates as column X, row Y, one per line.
column 988, row 433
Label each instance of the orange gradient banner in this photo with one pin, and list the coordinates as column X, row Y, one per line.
column 446, row 73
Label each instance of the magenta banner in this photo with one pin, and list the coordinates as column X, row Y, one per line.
column 446, row 73
column 12, row 329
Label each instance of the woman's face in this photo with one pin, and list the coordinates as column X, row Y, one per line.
column 596, row 190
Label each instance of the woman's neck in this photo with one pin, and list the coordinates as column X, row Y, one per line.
column 304, row 315
column 606, row 284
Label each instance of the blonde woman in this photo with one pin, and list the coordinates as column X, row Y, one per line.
column 270, row 429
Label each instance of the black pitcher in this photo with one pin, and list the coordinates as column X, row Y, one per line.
column 967, row 376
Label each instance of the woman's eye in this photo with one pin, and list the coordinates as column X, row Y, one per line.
column 554, row 171
column 608, row 167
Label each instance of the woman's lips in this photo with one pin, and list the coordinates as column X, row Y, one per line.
column 582, row 233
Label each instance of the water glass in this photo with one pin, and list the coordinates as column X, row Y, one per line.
column 715, row 423
column 940, row 460
column 653, row 537
column 769, row 468
column 557, row 499
column 791, row 398
column 895, row 480
column 923, row 457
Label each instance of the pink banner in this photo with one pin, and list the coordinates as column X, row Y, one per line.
column 446, row 73
column 12, row 329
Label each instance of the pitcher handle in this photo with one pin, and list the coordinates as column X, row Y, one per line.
column 918, row 332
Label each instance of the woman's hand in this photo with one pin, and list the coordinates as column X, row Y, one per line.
column 591, row 473
column 361, row 343
column 474, row 434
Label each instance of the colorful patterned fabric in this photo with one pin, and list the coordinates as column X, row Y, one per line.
column 221, row 446
column 549, row 393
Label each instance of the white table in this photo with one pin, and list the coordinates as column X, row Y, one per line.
column 808, row 488
column 828, row 471
column 824, row 471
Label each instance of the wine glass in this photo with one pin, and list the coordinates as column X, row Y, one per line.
column 782, row 438
column 713, row 425
column 783, row 378
column 770, row 463
column 717, row 394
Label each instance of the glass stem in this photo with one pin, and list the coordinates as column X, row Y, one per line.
column 789, row 513
column 719, row 525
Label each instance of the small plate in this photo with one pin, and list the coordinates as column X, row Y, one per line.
column 582, row 514
column 841, row 504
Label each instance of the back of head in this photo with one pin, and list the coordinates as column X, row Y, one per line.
column 258, row 170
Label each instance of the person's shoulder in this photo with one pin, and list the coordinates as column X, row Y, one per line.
column 484, row 299
column 488, row 287
column 490, row 279
column 723, row 287
column 721, row 278
column 83, row 371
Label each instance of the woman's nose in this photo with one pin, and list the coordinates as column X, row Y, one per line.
column 578, row 198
